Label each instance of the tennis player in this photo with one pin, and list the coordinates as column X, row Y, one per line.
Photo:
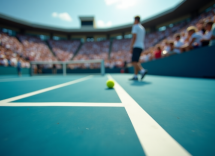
column 136, row 48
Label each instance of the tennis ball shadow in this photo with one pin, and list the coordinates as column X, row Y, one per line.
column 140, row 83
column 109, row 88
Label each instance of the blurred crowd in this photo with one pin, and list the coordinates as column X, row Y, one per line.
column 11, row 52
column 35, row 49
column 120, row 52
column 173, row 39
column 64, row 50
column 92, row 51
column 182, row 37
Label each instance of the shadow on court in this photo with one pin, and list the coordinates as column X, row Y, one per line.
column 140, row 83
column 109, row 88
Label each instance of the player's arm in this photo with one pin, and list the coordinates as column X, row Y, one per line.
column 134, row 36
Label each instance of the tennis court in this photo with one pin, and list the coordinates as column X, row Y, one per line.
column 78, row 115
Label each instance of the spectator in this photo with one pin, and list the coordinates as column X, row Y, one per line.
column 212, row 42
column 157, row 52
column 171, row 45
column 3, row 60
column 178, row 44
column 207, row 36
column 194, row 38
column 183, row 37
column 13, row 60
column 171, row 49
column 200, row 27
column 166, row 47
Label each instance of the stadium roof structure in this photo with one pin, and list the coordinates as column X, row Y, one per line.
column 187, row 7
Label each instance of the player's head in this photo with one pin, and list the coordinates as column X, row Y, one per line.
column 136, row 19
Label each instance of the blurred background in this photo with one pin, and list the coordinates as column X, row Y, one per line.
column 67, row 30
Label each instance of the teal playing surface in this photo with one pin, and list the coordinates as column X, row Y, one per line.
column 66, row 121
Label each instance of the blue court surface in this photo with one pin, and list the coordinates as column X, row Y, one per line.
column 77, row 115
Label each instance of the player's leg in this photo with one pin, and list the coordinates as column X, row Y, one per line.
column 140, row 67
column 136, row 68
column 133, row 58
column 143, row 71
column 134, row 61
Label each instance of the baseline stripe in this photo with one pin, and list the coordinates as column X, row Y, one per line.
column 81, row 104
column 153, row 138
column 45, row 90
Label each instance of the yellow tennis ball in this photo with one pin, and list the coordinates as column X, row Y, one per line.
column 110, row 83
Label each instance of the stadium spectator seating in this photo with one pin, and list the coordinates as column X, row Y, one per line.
column 168, row 36
column 11, row 50
column 64, row 50
column 93, row 50
column 120, row 52
column 162, row 41
column 35, row 49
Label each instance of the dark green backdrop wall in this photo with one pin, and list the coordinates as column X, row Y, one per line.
column 196, row 63
column 12, row 71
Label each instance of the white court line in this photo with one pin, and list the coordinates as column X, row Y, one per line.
column 153, row 138
column 78, row 104
column 45, row 90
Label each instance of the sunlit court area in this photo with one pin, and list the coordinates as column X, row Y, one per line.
column 107, row 78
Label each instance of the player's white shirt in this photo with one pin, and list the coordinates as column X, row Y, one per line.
column 139, row 30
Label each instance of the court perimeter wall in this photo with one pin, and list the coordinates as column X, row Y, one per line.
column 13, row 71
column 26, row 71
column 196, row 63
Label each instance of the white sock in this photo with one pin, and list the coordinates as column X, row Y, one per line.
column 142, row 71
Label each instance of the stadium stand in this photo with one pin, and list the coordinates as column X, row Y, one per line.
column 94, row 50
column 120, row 52
column 35, row 49
column 172, row 39
column 11, row 50
column 170, row 45
column 64, row 50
